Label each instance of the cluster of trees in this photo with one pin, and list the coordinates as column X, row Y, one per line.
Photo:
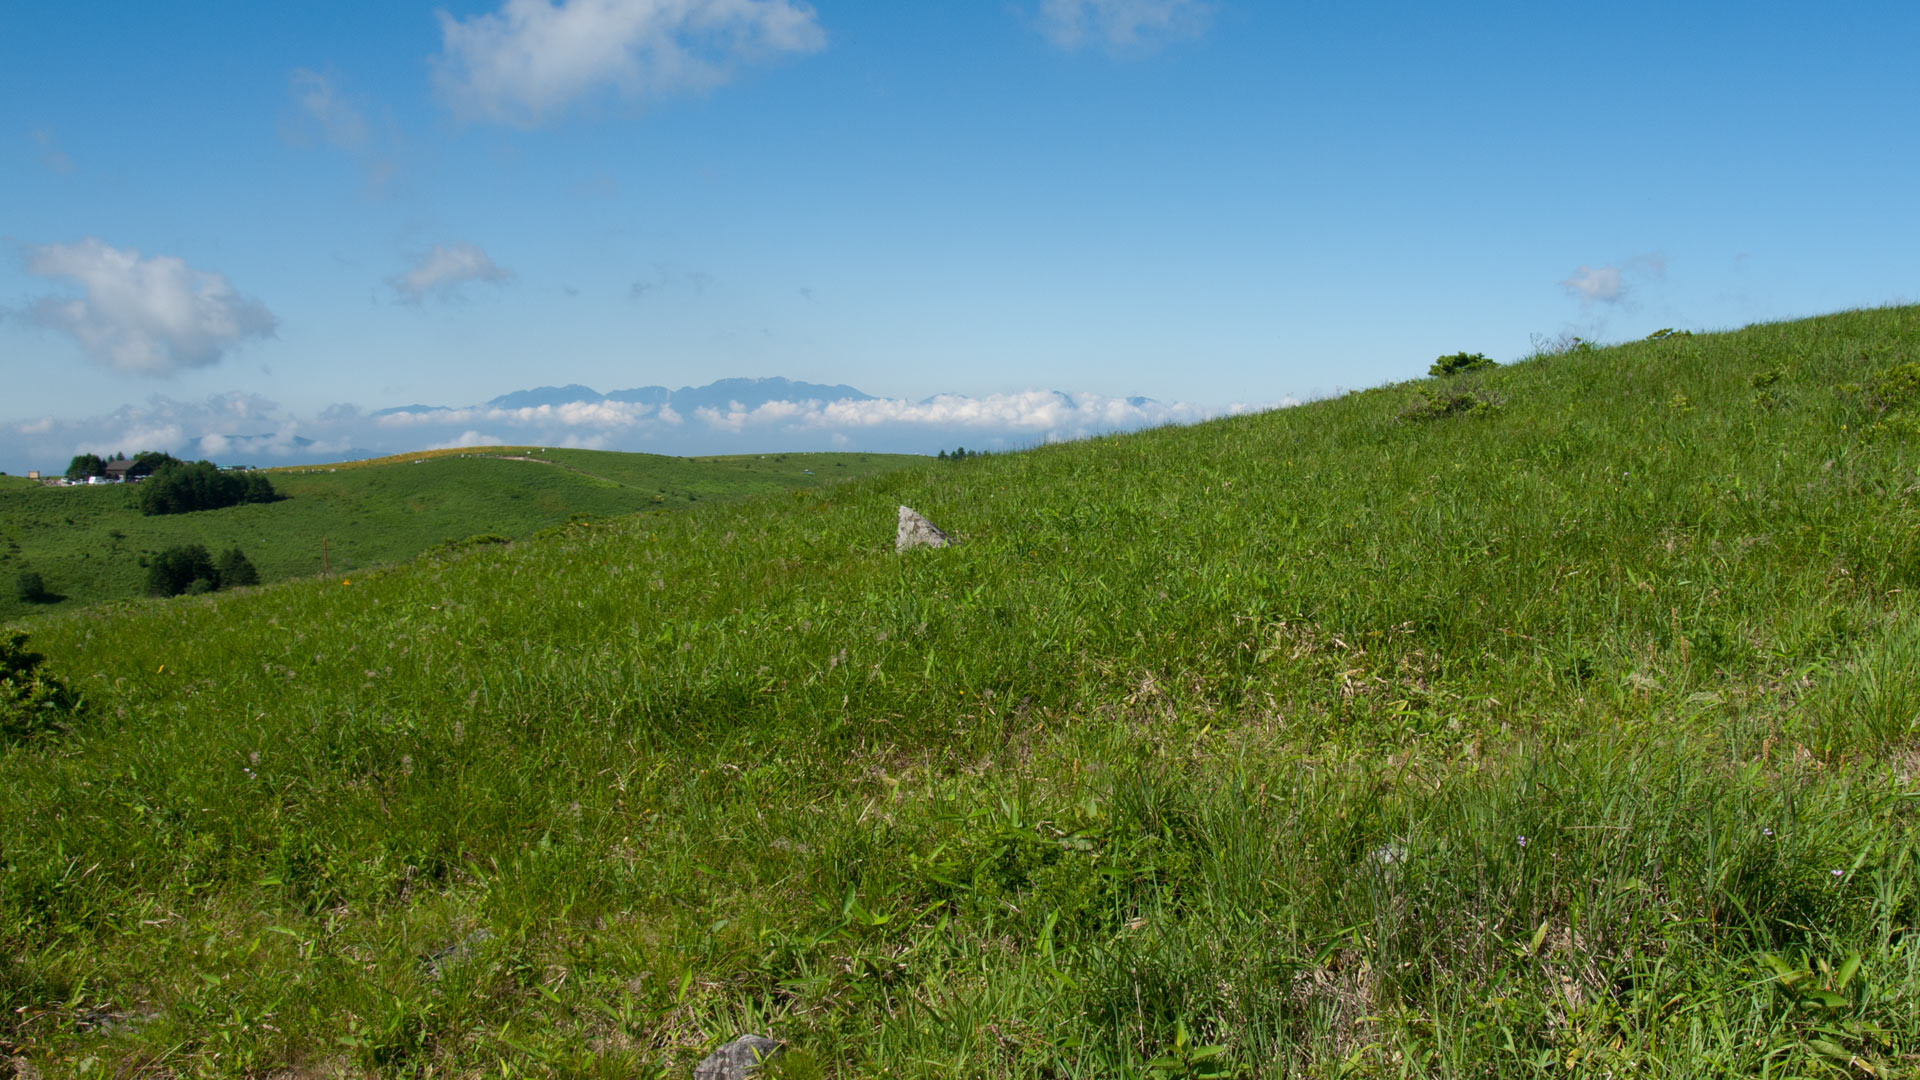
column 191, row 568
column 145, row 463
column 179, row 487
column 961, row 454
column 182, row 487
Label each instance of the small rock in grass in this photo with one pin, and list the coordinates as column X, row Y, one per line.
column 916, row 531
column 455, row 954
column 738, row 1059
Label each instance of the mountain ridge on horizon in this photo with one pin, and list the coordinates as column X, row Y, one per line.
column 729, row 415
column 748, row 392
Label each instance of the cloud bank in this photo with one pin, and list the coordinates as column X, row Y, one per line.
column 527, row 61
column 1121, row 26
column 441, row 272
column 147, row 316
column 247, row 429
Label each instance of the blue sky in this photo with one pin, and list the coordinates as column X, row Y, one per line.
column 231, row 218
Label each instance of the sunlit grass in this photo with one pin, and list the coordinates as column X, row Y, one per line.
column 1571, row 733
column 87, row 542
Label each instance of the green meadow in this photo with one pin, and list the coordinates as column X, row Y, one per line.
column 87, row 542
column 1558, row 718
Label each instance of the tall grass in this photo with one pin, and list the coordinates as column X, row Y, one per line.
column 1571, row 732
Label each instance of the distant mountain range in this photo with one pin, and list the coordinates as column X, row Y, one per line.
column 748, row 393
column 728, row 416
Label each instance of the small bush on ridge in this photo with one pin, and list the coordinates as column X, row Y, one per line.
column 1459, row 362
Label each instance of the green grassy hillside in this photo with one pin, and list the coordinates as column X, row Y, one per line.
column 86, row 542
column 1554, row 719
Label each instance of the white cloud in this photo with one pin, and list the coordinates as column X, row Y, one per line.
column 443, row 270
column 231, row 427
column 150, row 316
column 1121, row 26
column 468, row 438
column 529, row 59
column 1615, row 284
column 573, row 414
column 1046, row 414
column 147, row 437
column 1595, row 283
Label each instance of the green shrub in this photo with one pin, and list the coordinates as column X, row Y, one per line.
column 176, row 569
column 1895, row 388
column 30, row 588
column 32, row 702
column 1459, row 362
column 236, row 569
column 1434, row 406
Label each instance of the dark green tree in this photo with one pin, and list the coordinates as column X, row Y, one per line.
column 176, row 569
column 259, row 489
column 30, row 588
column 85, row 465
column 236, row 569
column 148, row 462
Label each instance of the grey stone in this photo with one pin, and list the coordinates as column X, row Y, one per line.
column 916, row 531
column 738, row 1059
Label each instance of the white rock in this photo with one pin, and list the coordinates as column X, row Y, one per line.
column 916, row 531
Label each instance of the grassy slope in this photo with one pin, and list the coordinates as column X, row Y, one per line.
column 374, row 513
column 1576, row 733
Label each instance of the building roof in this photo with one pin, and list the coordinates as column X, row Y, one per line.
column 118, row 468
